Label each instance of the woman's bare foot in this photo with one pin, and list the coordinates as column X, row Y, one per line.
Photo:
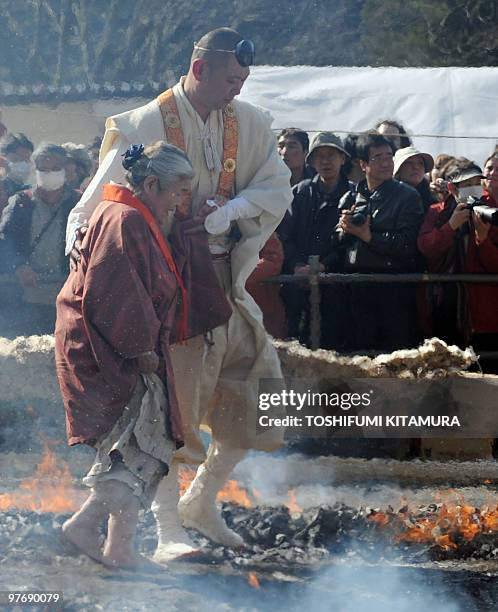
column 83, row 536
column 83, row 528
column 119, row 548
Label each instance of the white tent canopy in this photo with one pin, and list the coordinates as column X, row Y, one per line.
column 451, row 102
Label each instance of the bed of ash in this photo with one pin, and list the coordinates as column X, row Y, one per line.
column 309, row 543
column 327, row 533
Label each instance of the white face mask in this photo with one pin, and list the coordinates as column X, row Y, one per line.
column 474, row 191
column 50, row 181
column 20, row 171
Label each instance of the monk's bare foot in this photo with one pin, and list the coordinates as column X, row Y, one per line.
column 131, row 561
column 83, row 536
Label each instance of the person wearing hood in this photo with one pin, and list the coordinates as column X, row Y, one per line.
column 456, row 239
column 32, row 243
column 411, row 167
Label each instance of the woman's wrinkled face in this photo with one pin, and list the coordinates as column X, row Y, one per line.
column 163, row 201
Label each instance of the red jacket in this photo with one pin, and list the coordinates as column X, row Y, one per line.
column 267, row 295
column 436, row 239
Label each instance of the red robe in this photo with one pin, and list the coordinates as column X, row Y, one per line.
column 267, row 295
column 119, row 303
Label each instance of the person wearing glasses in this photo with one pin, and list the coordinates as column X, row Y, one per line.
column 378, row 231
column 241, row 189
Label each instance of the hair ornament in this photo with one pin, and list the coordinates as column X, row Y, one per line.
column 132, row 155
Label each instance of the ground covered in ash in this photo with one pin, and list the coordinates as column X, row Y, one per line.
column 327, row 558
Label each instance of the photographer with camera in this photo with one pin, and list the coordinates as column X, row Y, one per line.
column 460, row 235
column 377, row 232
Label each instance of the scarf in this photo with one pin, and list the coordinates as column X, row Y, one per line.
column 122, row 195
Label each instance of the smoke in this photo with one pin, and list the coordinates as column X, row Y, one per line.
column 324, row 480
column 381, row 589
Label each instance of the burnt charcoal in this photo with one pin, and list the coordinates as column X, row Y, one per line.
column 275, row 539
column 281, row 540
column 258, row 525
column 318, row 528
column 250, row 535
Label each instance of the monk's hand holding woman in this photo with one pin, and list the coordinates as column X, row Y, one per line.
column 209, row 207
column 147, row 363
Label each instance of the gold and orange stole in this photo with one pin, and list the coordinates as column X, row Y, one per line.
column 174, row 135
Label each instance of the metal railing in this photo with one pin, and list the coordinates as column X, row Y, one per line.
column 315, row 278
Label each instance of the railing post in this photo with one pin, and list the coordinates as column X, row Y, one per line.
column 315, row 295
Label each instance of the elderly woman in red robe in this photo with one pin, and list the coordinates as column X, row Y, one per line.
column 115, row 316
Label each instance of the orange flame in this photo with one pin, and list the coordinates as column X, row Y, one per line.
column 231, row 492
column 49, row 490
column 252, row 579
column 185, row 477
column 451, row 520
column 294, row 507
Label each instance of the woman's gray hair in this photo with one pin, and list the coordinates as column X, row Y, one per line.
column 45, row 149
column 167, row 162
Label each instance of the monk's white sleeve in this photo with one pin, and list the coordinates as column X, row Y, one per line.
column 219, row 221
column 265, row 178
column 110, row 169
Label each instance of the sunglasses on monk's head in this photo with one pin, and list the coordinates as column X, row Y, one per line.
column 244, row 52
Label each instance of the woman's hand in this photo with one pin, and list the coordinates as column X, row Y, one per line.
column 147, row 363
column 75, row 254
column 197, row 226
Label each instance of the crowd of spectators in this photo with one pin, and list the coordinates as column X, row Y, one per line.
column 368, row 203
column 376, row 204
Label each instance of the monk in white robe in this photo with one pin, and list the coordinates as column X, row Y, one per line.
column 217, row 377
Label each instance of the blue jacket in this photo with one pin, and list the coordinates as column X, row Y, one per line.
column 308, row 229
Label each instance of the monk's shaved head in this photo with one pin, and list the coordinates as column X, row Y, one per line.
column 215, row 76
column 221, row 39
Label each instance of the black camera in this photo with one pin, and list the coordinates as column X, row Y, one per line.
column 487, row 213
column 360, row 213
